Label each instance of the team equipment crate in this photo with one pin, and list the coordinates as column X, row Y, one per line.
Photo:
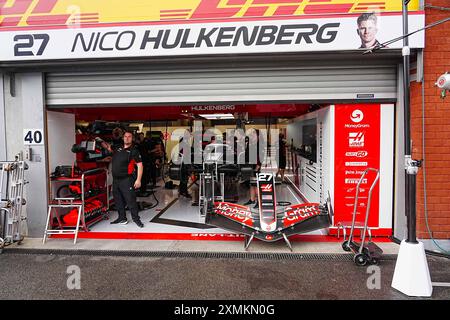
column 86, row 204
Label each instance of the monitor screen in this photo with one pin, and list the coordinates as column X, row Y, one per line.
column 309, row 133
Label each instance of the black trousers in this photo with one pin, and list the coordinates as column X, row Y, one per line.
column 183, row 179
column 124, row 194
column 153, row 172
column 145, row 176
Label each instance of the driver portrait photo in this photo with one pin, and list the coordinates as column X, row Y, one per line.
column 367, row 30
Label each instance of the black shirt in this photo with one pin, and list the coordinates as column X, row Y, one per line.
column 282, row 148
column 124, row 161
column 144, row 151
column 375, row 45
column 152, row 143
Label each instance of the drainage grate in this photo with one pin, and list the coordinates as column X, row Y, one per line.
column 194, row 254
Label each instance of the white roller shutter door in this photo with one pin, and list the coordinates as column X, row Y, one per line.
column 266, row 82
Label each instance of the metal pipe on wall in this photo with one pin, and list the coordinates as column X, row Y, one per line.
column 2, row 122
column 411, row 166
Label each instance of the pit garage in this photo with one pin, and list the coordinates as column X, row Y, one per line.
column 333, row 118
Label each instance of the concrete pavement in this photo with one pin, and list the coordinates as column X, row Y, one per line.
column 46, row 276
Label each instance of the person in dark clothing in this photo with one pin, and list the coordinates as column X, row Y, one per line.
column 142, row 146
column 281, row 157
column 125, row 179
column 157, row 154
column 254, row 140
column 184, row 174
column 117, row 137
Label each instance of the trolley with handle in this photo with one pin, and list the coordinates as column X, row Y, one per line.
column 364, row 252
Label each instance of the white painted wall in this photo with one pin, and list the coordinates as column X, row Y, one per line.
column 61, row 137
column 13, row 116
column 25, row 110
column 326, row 117
column 312, row 191
column 294, row 134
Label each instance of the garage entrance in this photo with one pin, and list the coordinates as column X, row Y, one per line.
column 164, row 211
column 297, row 99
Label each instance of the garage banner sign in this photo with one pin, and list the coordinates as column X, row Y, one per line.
column 77, row 29
column 357, row 147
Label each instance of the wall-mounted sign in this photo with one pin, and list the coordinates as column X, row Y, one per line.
column 33, row 136
column 82, row 29
column 223, row 107
column 357, row 147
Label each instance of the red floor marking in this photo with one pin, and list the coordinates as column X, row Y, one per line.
column 200, row 236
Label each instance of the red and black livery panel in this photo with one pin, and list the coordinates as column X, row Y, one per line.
column 292, row 220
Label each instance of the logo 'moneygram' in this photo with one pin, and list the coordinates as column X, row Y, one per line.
column 357, row 116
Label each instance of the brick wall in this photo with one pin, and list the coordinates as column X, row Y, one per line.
column 437, row 128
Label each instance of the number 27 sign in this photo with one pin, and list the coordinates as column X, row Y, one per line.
column 33, row 136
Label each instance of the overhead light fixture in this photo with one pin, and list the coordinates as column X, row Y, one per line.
column 217, row 116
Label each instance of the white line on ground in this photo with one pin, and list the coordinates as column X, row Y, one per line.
column 289, row 188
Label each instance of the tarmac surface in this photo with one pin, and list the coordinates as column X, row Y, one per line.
column 50, row 276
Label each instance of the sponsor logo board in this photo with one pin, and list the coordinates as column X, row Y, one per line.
column 82, row 29
column 357, row 147
column 64, row 13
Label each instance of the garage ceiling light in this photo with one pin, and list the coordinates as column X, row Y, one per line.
column 217, row 116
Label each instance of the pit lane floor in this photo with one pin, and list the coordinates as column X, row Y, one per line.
column 176, row 216
column 45, row 276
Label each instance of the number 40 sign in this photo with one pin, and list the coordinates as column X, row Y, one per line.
column 33, row 136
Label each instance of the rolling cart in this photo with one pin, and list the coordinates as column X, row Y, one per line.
column 207, row 186
column 87, row 208
column 364, row 252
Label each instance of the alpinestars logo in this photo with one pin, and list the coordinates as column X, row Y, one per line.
column 356, row 139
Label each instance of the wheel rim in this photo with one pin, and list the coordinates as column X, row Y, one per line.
column 360, row 260
column 345, row 246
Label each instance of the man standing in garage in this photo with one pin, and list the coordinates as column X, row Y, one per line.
column 281, row 161
column 125, row 180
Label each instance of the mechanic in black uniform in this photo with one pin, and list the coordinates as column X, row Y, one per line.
column 255, row 140
column 281, row 157
column 184, row 174
column 142, row 146
column 157, row 154
column 125, row 180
